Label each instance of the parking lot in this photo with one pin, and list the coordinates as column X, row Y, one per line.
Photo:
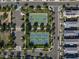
column 18, row 31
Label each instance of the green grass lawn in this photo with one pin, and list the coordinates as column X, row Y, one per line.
column 1, row 57
column 4, row 36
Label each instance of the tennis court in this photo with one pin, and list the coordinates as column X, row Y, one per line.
column 39, row 37
column 38, row 17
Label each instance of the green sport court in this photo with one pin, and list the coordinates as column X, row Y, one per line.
column 38, row 17
column 39, row 37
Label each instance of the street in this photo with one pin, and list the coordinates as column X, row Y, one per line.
column 54, row 53
column 40, row 3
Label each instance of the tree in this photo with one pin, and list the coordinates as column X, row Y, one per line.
column 31, row 6
column 23, row 38
column 3, row 8
column 7, row 8
column 45, row 5
column 35, row 26
column 40, row 53
column 68, row 4
column 42, row 26
column 46, row 45
column 22, row 18
column 7, row 28
column 27, row 14
column 50, row 57
column 15, row 7
column 22, row 9
column 13, row 25
column 22, row 26
column 48, row 27
column 0, row 23
column 34, row 46
column 2, row 43
column 64, row 6
column 12, row 53
column 29, row 26
column 38, row 7
column 3, row 27
column 31, row 44
column 27, row 20
column 5, row 15
column 26, row 4
column 0, row 7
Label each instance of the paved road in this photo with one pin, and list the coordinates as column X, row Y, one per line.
column 57, row 26
column 40, row 3
column 18, row 22
column 54, row 52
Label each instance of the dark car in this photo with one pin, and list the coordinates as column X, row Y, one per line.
column 68, row 45
column 67, row 55
column 28, row 57
column 19, row 55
